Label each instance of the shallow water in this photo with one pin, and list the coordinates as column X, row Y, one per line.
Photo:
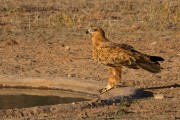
column 24, row 101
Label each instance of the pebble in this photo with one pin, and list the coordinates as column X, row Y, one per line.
column 71, row 75
column 154, row 43
column 67, row 48
column 114, row 104
column 84, row 78
column 158, row 96
column 136, row 27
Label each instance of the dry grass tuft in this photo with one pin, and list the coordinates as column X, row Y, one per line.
column 40, row 18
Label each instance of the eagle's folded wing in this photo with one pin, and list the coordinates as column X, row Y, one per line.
column 115, row 55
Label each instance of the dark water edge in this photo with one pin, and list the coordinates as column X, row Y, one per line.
column 25, row 101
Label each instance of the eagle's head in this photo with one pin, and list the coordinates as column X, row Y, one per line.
column 95, row 31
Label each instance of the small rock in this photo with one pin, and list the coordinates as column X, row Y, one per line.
column 174, row 99
column 136, row 27
column 154, row 43
column 71, row 75
column 114, row 104
column 158, row 96
column 73, row 103
column 67, row 48
column 84, row 78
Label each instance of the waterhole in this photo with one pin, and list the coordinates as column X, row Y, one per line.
column 24, row 98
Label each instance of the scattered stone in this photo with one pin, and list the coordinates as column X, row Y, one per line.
column 67, row 48
column 73, row 103
column 158, row 96
column 154, row 43
column 136, row 27
column 71, row 75
column 84, row 78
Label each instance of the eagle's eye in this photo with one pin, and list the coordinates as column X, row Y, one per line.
column 95, row 29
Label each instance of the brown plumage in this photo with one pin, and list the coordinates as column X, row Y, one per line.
column 117, row 55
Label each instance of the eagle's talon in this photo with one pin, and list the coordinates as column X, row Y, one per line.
column 103, row 90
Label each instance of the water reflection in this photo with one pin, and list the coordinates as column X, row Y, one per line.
column 24, row 101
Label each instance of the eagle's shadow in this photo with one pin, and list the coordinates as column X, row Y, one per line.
column 147, row 93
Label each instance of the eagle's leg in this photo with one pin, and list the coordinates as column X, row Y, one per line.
column 114, row 79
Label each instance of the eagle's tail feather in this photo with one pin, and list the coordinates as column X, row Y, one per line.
column 156, row 58
column 151, row 67
column 152, row 64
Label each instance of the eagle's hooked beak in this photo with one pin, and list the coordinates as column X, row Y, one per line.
column 89, row 31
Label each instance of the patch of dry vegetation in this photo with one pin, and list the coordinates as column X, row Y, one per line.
column 40, row 17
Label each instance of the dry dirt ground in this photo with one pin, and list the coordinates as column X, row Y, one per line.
column 40, row 38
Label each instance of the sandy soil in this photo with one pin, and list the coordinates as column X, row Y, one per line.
column 47, row 39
